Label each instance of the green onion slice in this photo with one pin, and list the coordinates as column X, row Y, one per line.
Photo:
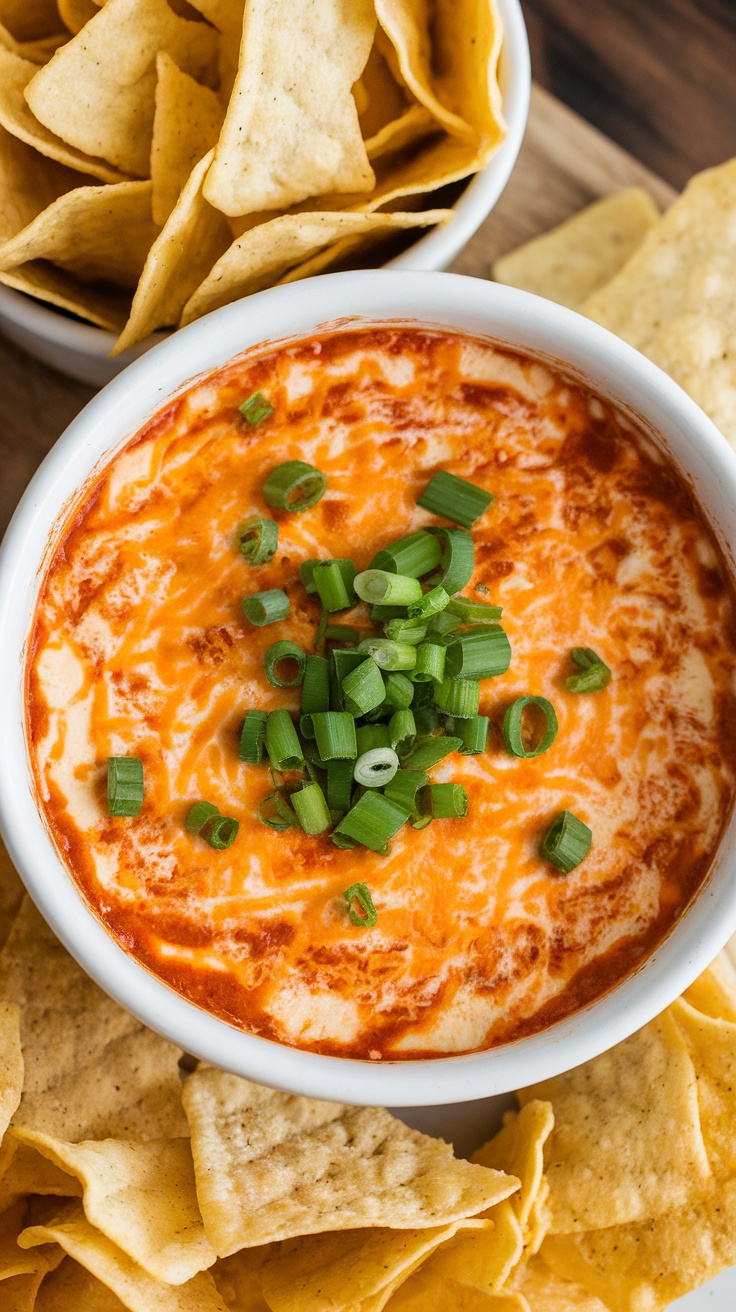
column 567, row 842
column 460, row 697
column 306, row 574
column 428, row 752
column 333, row 580
column 455, row 498
column 367, row 917
column 474, row 734
column 282, row 743
column 283, row 819
column 311, row 809
column 316, row 685
column 199, row 815
column 253, row 737
column 266, row 607
column 399, row 691
column 334, row 732
column 430, row 604
column 405, row 630
column 255, row 408
column 458, row 558
column 595, row 674
column 294, row 486
column 404, row 789
column 513, row 734
column 258, row 540
column 375, row 768
column 388, row 654
column 342, row 633
column 415, row 555
column 279, row 652
column 430, row 666
column 402, row 731
column 222, row 832
column 474, row 612
column 379, row 588
column 363, row 688
column 379, row 614
column 369, row 736
column 447, row 801
column 442, row 626
column 339, row 785
column 427, row 719
column 481, row 654
column 372, row 821
column 124, row 785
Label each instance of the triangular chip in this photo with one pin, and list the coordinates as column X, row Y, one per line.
column 267, row 252
column 467, row 36
column 111, row 64
column 482, row 1260
column 227, row 17
column 291, row 130
column 21, row 1273
column 238, row 1278
column 518, row 1149
column 714, row 992
column 378, row 96
column 408, row 27
column 271, row 1166
column 427, row 1292
column 399, row 133
column 186, row 126
column 72, row 1287
column 712, row 1046
column 29, row 19
column 545, row 1291
column 30, row 1173
column 107, row 307
column 620, row 1151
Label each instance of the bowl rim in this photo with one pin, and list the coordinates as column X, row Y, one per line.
column 433, row 251
column 116, row 413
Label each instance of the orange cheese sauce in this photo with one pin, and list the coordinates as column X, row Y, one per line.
column 139, row 647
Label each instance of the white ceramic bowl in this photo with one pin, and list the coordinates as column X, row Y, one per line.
column 534, row 325
column 82, row 352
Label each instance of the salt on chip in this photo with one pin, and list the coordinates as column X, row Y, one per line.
column 483, row 1260
column 111, row 64
column 572, row 261
column 545, row 1291
column 674, row 299
column 186, row 126
column 518, row 1149
column 137, row 1290
column 16, row 117
column 267, row 252
column 621, row 1150
column 29, row 19
column 270, row 1165
column 291, row 130
column 70, row 1286
column 714, row 992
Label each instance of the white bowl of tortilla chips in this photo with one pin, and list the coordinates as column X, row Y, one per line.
column 154, row 168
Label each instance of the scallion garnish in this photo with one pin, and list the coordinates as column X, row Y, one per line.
column 221, row 832
column 369, row 736
column 432, row 603
column 481, row 654
column 455, row 499
column 266, row 607
column 426, row 719
column 258, row 540
column 294, row 486
column 430, row 666
column 405, row 630
column 415, row 555
column 447, row 801
column 458, row 558
column 124, row 785
column 311, row 809
column 402, row 731
column 595, row 674
column 334, row 732
column 460, row 697
column 430, row 751
column 513, row 734
column 363, row 688
column 380, row 614
column 253, row 737
column 282, row 743
column 279, row 652
column 372, row 821
column 306, row 574
column 367, row 917
column 333, row 580
column 442, row 625
column 474, row 734
column 380, row 588
column 399, row 691
column 342, row 633
column 342, row 661
column 256, row 408
column 567, row 842
column 390, row 655
column 474, row 612
column 283, row 819
column 404, row 789
column 316, row 685
column 339, row 785
column 200, row 815
column 375, row 768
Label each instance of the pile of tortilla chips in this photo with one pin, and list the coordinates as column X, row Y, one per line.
column 158, row 160
column 666, row 285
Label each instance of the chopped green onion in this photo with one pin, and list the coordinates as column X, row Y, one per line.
column 319, row 637
column 266, row 607
column 415, row 555
column 311, row 809
column 513, row 735
column 379, row 614
column 404, row 789
column 306, row 574
column 440, row 626
column 333, row 580
column 316, row 685
column 258, row 540
column 426, row 718
column 402, row 730
column 284, row 817
column 474, row 612
column 567, row 842
column 342, row 633
column 342, row 661
column 282, row 743
column 379, row 588
column 199, row 815
column 306, row 727
column 432, row 603
column 375, row 768
column 363, row 688
column 342, row 840
column 339, row 785
column 421, row 822
column 294, row 486
column 595, row 674
column 458, row 558
column 368, row 916
column 430, row 751
column 474, row 734
column 256, row 408
column 390, row 655
column 222, row 832
column 253, row 737
column 480, row 654
column 430, row 666
column 335, row 735
column 460, row 697
column 369, row 736
column 284, row 651
column 399, row 691
column 447, row 801
column 455, row 498
column 405, row 631
column 372, row 821
column 124, row 785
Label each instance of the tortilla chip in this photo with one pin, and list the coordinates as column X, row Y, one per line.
column 267, row 252
column 621, row 1151
column 518, row 1149
column 11, row 1064
column 271, row 1166
column 539, row 1222
column 414, row 123
column 75, row 13
column 11, row 887
column 111, row 64
column 137, row 1290
column 192, row 239
column 712, row 1046
column 91, row 1069
column 674, row 300
column 21, row 1273
column 467, row 36
column 378, row 96
column 291, row 130
column 547, row 1292
column 227, row 17
column 407, row 26
column 141, row 1196
column 577, row 258
column 29, row 19
column 186, row 126
column 238, row 1278
column 30, row 1173
column 425, row 1292
column 70, row 1286
column 485, row 1259
column 106, row 308
column 15, row 116
column 714, row 992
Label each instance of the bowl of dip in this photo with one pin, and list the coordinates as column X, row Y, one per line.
column 580, row 491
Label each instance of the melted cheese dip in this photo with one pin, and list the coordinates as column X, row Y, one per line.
column 139, row 647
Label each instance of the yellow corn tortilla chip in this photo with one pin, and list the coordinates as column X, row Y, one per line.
column 186, row 126
column 407, row 26
column 21, row 1273
column 674, row 300
column 137, row 1290
column 714, row 992
column 434, row 163
column 271, row 1166
column 11, row 888
column 291, row 130
column 11, row 1064
column 621, row 1151
column 545, row 1291
column 485, row 1259
column 267, row 252
column 194, row 236
column 712, row 1046
column 238, row 1278
column 518, row 1149
column 575, row 259
column 539, row 1222
column 111, row 64
column 108, row 308
column 378, row 96
column 415, row 122
column 16, row 117
column 227, row 17
column 467, row 37
column 75, row 13
column 141, row 1196
column 71, row 1287
column 100, row 234
column 29, row 19
column 426, row 1292
column 91, row 1069
column 30, row 1173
